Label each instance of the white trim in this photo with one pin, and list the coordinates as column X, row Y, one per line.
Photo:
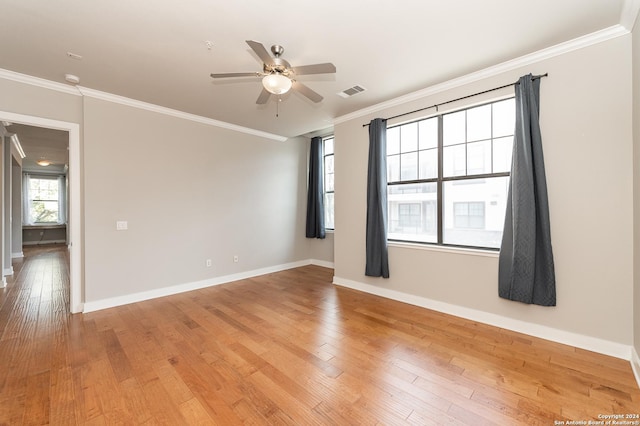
column 39, row 82
column 323, row 263
column 85, row 91
column 635, row 365
column 181, row 288
column 75, row 197
column 444, row 249
column 594, row 344
column 39, row 243
column 559, row 49
column 18, row 255
column 629, row 15
column 175, row 113
column 3, row 282
column 8, row 271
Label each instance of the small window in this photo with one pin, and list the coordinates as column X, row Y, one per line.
column 448, row 176
column 327, row 144
column 44, row 195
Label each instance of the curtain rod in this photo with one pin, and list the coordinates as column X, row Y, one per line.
column 535, row 77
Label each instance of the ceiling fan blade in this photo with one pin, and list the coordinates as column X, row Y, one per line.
column 326, row 68
column 261, row 52
column 264, row 97
column 306, row 91
column 235, row 74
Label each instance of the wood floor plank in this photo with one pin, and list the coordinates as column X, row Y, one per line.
column 286, row 348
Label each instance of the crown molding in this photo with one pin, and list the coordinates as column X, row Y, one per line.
column 85, row 91
column 629, row 14
column 96, row 94
column 38, row 82
column 532, row 58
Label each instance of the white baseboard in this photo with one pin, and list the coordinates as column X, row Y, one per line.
column 635, row 364
column 126, row 299
column 7, row 271
column 3, row 282
column 594, row 344
column 37, row 243
column 322, row 263
column 18, row 255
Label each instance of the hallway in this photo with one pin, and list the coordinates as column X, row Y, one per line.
column 34, row 319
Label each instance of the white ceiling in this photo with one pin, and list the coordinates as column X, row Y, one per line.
column 39, row 143
column 156, row 51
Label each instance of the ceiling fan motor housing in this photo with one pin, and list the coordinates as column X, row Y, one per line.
column 279, row 66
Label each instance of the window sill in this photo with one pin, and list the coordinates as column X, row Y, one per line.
column 445, row 249
column 45, row 226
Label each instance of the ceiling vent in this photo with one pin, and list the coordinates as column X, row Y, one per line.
column 351, row 91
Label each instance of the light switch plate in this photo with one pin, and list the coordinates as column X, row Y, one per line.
column 122, row 225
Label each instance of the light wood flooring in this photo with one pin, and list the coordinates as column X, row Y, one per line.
column 286, row 348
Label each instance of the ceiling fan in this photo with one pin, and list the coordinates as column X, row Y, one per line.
column 278, row 76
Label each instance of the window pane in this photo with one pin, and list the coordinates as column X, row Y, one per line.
column 328, row 146
column 454, row 163
column 504, row 118
column 502, row 150
column 43, row 200
column 393, row 168
column 328, row 182
column 479, row 123
column 409, row 137
column 479, row 158
column 393, row 140
column 44, row 211
column 474, row 211
column 328, row 163
column 454, row 129
column 428, row 163
column 428, row 132
column 413, row 212
column 409, row 166
column 328, row 211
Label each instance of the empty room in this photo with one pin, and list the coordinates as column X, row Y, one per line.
column 329, row 213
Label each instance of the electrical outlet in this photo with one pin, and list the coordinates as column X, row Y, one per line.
column 208, row 263
column 235, row 259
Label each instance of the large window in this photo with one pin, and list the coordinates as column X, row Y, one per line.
column 327, row 144
column 448, row 176
column 44, row 196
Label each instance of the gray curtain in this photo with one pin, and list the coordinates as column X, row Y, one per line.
column 526, row 268
column 376, row 245
column 315, row 191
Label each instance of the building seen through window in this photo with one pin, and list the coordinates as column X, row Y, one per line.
column 448, row 176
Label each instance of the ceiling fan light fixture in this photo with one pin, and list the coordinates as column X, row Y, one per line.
column 276, row 83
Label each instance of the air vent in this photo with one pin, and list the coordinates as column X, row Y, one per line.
column 351, row 91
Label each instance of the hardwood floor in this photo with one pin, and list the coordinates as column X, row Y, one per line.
column 284, row 348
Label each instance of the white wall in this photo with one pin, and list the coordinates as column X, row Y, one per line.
column 586, row 129
column 189, row 192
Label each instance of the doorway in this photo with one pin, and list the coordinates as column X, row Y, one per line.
column 74, row 198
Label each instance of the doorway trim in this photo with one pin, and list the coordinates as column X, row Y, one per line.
column 75, row 199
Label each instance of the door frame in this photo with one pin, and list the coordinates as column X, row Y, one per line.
column 75, row 199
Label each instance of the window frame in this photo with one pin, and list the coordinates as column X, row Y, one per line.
column 440, row 179
column 60, row 200
column 325, row 192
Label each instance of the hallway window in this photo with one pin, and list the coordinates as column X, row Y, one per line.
column 44, row 199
